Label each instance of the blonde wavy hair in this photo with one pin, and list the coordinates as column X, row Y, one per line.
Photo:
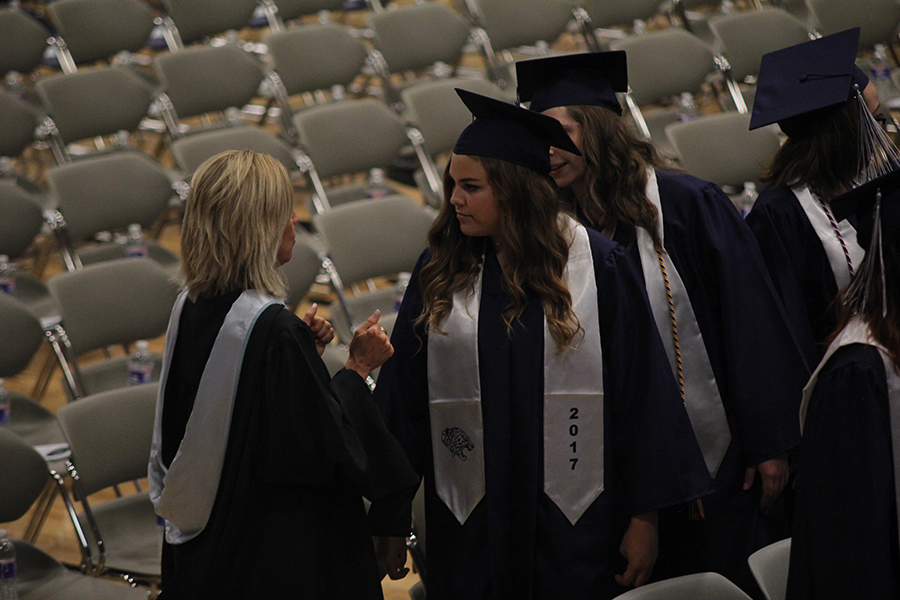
column 236, row 212
column 536, row 250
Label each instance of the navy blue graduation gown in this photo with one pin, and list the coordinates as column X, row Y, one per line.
column 288, row 518
column 517, row 544
column 799, row 268
column 758, row 367
column 844, row 542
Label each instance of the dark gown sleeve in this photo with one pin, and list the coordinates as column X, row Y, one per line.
column 844, row 543
column 657, row 459
column 754, row 353
column 316, row 428
column 798, row 266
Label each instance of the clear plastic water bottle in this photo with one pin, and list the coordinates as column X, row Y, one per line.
column 135, row 245
column 5, row 408
column 747, row 199
column 8, row 569
column 338, row 93
column 880, row 73
column 687, row 108
column 140, row 364
column 639, row 27
column 377, row 186
column 7, row 276
column 400, row 290
column 727, row 7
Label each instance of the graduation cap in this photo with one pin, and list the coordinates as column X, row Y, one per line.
column 861, row 202
column 804, row 84
column 511, row 133
column 591, row 79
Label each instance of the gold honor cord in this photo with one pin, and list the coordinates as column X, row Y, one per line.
column 695, row 508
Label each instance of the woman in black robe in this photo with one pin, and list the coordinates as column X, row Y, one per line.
column 845, row 541
column 260, row 461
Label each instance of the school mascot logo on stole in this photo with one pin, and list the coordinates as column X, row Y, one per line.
column 457, row 442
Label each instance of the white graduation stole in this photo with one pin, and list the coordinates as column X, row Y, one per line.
column 701, row 394
column 184, row 493
column 830, row 238
column 573, row 398
column 857, row 332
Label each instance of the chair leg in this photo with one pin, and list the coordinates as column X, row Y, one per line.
column 43, row 378
column 41, row 512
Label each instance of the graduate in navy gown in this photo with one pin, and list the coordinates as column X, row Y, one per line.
column 845, row 541
column 728, row 342
column 529, row 386
column 810, row 254
column 260, row 460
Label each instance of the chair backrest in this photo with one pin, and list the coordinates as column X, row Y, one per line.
column 99, row 29
column 375, row 237
column 770, row 567
column 21, row 333
column 189, row 152
column 331, row 134
column 514, row 23
column 665, row 63
column 414, row 37
column 23, row 41
column 302, row 270
column 109, row 193
column 200, row 19
column 701, row 586
column 877, row 18
column 110, row 435
column 316, row 57
column 605, row 13
column 95, row 102
column 437, row 112
column 23, row 475
column 745, row 36
column 194, row 78
column 19, row 121
column 721, row 148
column 22, row 219
column 114, row 302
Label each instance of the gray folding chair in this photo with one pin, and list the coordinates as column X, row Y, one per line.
column 721, row 148
column 19, row 120
column 770, row 567
column 93, row 104
column 107, row 194
column 877, row 18
column 23, row 41
column 304, row 267
column 413, row 39
column 745, row 36
column 279, row 12
column 191, row 21
column 368, row 239
column 23, row 477
column 93, row 30
column 332, row 144
column 112, row 303
column 504, row 26
column 604, row 14
column 437, row 113
column 309, row 62
column 701, row 586
column 662, row 65
column 110, row 436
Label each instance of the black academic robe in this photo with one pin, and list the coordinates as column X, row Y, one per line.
column 517, row 544
column 288, row 518
column 799, row 268
column 844, row 543
column 758, row 367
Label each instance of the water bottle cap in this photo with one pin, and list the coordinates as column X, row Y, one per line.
column 134, row 228
column 143, row 345
column 4, row 259
column 2, row 533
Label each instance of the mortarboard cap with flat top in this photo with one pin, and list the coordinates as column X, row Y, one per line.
column 804, row 84
column 591, row 78
column 511, row 133
column 860, row 201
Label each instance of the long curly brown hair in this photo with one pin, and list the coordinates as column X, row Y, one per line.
column 825, row 157
column 535, row 247
column 616, row 176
